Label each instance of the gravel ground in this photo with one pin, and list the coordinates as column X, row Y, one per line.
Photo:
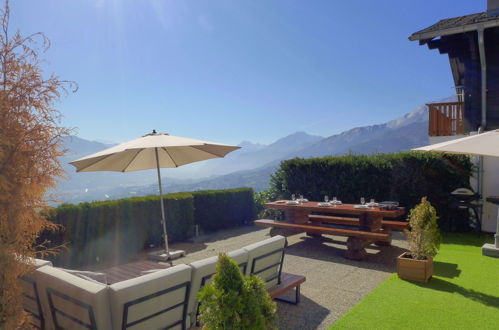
column 334, row 284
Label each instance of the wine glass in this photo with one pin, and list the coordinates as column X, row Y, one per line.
column 335, row 200
column 293, row 197
column 362, row 201
column 372, row 202
column 326, row 198
column 301, row 198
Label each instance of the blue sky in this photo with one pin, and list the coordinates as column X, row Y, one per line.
column 228, row 71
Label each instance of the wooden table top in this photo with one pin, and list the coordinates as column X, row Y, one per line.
column 342, row 209
column 493, row 199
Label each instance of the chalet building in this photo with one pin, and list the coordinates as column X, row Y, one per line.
column 472, row 44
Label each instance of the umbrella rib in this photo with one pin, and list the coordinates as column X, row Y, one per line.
column 166, row 150
column 211, row 153
column 93, row 163
column 133, row 158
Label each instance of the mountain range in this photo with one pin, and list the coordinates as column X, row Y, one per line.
column 252, row 165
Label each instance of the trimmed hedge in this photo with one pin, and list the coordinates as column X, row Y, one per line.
column 404, row 177
column 110, row 232
column 219, row 209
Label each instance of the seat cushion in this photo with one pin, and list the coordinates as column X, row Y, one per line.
column 87, row 275
column 265, row 259
column 40, row 262
column 68, row 301
column 152, row 301
column 202, row 274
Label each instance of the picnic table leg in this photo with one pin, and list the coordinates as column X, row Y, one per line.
column 370, row 222
column 356, row 248
column 296, row 216
column 314, row 235
column 373, row 223
column 299, row 216
column 385, row 243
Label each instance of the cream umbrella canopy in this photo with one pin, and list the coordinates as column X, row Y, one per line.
column 485, row 144
column 151, row 151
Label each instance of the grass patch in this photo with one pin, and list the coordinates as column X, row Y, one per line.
column 463, row 294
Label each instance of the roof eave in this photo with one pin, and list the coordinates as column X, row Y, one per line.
column 456, row 30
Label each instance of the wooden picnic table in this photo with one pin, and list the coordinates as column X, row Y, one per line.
column 364, row 226
column 369, row 219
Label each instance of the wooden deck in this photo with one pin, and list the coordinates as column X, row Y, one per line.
column 131, row 270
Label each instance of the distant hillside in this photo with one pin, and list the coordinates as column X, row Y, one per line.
column 392, row 140
column 258, row 155
column 88, row 186
column 250, row 166
column 258, row 179
column 401, row 134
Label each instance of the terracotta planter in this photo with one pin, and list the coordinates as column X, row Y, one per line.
column 414, row 270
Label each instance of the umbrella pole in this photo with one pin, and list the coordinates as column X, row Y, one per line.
column 162, row 209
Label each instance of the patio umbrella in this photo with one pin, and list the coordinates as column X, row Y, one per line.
column 151, row 151
column 485, row 144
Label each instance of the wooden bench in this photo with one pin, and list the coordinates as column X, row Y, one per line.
column 385, row 224
column 318, row 219
column 309, row 228
column 395, row 225
column 287, row 283
column 357, row 239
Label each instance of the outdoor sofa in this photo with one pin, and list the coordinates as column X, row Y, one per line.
column 162, row 299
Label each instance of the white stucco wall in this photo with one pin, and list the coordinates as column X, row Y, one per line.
column 490, row 184
column 490, row 188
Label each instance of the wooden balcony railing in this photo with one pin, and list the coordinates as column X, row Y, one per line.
column 446, row 119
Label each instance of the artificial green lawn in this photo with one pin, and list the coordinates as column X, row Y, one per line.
column 463, row 294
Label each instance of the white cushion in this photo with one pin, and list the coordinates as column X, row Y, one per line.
column 138, row 293
column 205, row 269
column 149, row 271
column 35, row 262
column 40, row 262
column 87, row 275
column 79, row 299
column 257, row 264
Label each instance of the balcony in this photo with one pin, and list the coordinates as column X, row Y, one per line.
column 446, row 119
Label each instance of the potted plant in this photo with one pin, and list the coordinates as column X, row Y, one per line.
column 424, row 241
column 234, row 301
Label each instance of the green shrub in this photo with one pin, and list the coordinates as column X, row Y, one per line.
column 262, row 212
column 234, row 301
column 424, row 237
column 404, row 177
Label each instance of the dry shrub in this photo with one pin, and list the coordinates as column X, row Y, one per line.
column 30, row 144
